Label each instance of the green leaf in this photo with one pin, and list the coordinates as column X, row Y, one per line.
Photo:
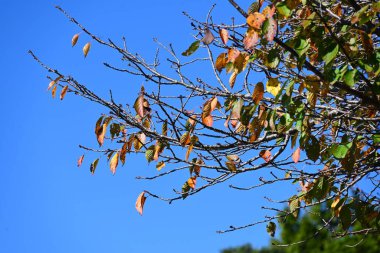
column 294, row 205
column 312, row 148
column 283, row 9
column 301, row 46
column 193, row 47
column 349, row 77
column 376, row 138
column 330, row 52
column 149, row 154
column 339, row 151
column 271, row 228
column 185, row 190
column 345, row 217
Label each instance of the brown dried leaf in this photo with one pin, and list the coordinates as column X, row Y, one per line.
column 258, row 93
column 208, row 38
column 63, row 92
column 123, row 152
column 140, row 203
column 221, row 62
column 223, row 36
column 54, row 91
column 86, row 49
column 74, row 40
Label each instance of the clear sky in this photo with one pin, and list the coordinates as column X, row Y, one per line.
column 49, row 205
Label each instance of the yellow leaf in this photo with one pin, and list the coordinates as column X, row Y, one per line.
column 74, row 40
column 114, row 162
column 140, row 203
column 273, row 86
column 63, row 92
column 86, row 49
column 258, row 93
column 221, row 62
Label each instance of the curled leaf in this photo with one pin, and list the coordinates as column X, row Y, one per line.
column 223, row 36
column 114, row 162
column 80, row 160
column 192, row 181
column 140, row 203
column 266, row 155
column 63, row 92
column 93, row 166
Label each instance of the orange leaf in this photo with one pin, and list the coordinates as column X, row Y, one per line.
column 63, row 92
column 269, row 11
column 140, row 203
column 74, row 40
column 223, row 36
column 221, row 62
column 232, row 54
column 258, row 93
column 86, row 49
column 54, row 91
column 208, row 120
column 232, row 79
column 123, row 152
column 192, row 181
column 101, row 133
column 114, row 162
column 266, row 155
column 296, row 155
column 255, row 20
column 80, row 160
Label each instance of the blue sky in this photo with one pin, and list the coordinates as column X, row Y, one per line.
column 47, row 204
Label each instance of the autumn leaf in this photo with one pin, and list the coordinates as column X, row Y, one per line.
column 232, row 79
column 232, row 54
column 140, row 203
column 266, row 155
column 86, row 49
column 54, row 91
column 80, row 160
column 269, row 11
column 255, row 20
column 139, row 105
column 270, row 29
column 223, row 36
column 160, row 165
column 114, row 162
column 74, row 40
column 93, row 166
column 208, row 38
column 250, row 40
column 221, row 62
column 123, row 152
column 192, row 181
column 53, row 82
column 296, row 155
column 63, row 92
column 258, row 93
column 273, row 86
column 101, row 134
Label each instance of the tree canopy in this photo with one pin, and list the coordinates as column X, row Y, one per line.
column 289, row 91
column 300, row 230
